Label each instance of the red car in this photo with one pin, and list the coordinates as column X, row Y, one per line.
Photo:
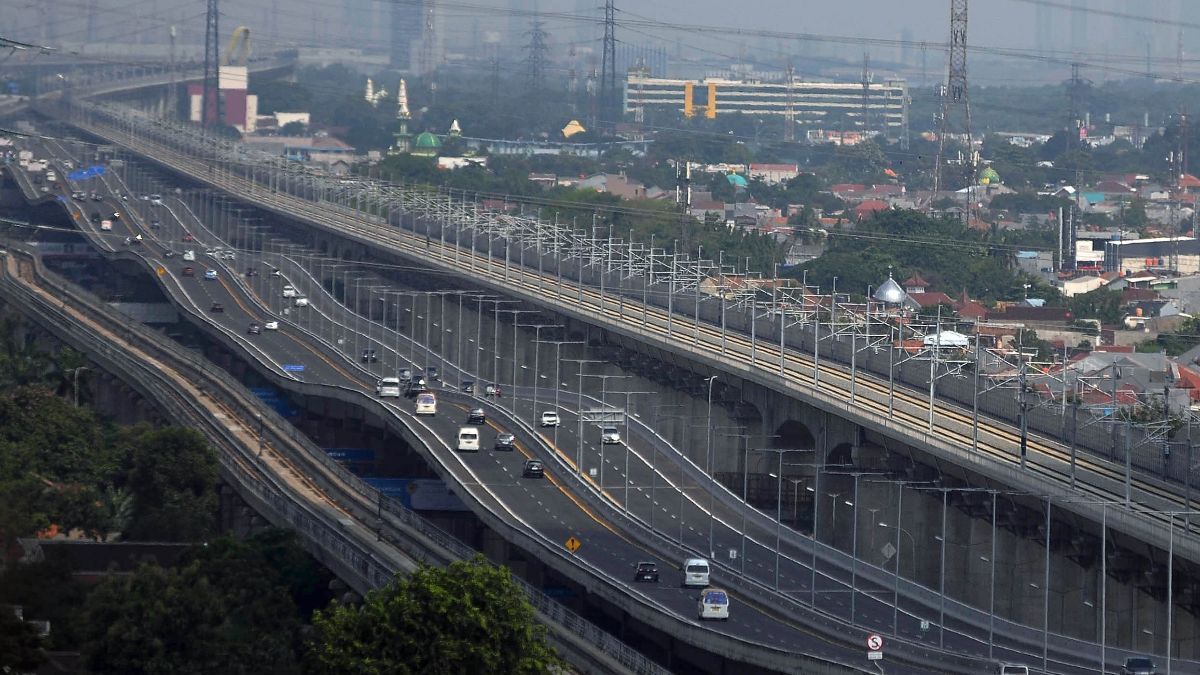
column 189, row 272
column 187, row 236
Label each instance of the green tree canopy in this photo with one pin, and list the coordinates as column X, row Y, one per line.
column 468, row 618
column 226, row 609
column 172, row 479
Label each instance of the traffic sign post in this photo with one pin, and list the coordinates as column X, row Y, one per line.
column 874, row 647
column 573, row 544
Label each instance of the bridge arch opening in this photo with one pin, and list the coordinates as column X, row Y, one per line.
column 794, row 434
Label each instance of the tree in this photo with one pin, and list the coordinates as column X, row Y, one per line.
column 470, row 617
column 20, row 646
column 225, row 610
column 173, row 483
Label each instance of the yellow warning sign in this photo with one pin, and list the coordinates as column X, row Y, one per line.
column 573, row 544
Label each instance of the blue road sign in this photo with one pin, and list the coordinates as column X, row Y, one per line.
column 84, row 174
column 294, row 367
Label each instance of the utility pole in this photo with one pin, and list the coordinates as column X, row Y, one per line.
column 608, row 78
column 865, row 114
column 954, row 100
column 172, row 91
column 209, row 105
column 789, row 110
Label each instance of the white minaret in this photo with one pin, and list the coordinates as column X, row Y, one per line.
column 403, row 141
column 370, row 95
column 402, row 112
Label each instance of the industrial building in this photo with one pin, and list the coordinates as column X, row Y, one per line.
column 876, row 106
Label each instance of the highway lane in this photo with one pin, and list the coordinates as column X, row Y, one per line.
column 556, row 516
column 704, row 515
column 1001, row 453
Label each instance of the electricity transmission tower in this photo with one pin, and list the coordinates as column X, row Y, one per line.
column 955, row 106
column 209, row 105
column 608, row 78
column 535, row 60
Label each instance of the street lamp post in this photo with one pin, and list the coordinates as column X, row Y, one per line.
column 708, row 470
column 579, row 414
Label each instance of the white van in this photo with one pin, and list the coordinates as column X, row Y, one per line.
column 695, row 572
column 468, row 439
column 106, row 226
column 713, row 604
column 189, row 256
column 388, row 387
column 427, row 405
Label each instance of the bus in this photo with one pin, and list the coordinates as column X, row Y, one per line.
column 426, row 404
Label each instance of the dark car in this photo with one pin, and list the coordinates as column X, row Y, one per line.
column 505, row 441
column 251, row 272
column 468, row 387
column 369, row 356
column 168, row 253
column 533, row 469
column 189, row 271
column 96, row 197
column 646, row 571
column 432, row 373
column 154, row 224
column 1138, row 665
column 476, row 416
column 95, row 216
column 254, row 329
column 217, row 307
column 416, row 386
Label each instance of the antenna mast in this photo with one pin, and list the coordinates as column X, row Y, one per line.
column 954, row 99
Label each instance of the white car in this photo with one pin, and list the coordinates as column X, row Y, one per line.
column 211, row 251
column 301, row 301
column 289, row 291
column 610, row 436
column 210, row 274
column 271, row 325
column 388, row 387
column 549, row 419
column 713, row 603
column 227, row 255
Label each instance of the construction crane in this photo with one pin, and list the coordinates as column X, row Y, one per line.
column 240, row 43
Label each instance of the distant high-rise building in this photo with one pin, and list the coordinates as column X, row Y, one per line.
column 408, row 22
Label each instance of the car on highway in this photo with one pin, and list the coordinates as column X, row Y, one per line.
column 78, row 196
column 1013, row 669
column 271, row 325
column 96, row 197
column 388, row 387
column 549, row 419
column 189, row 271
column 468, row 439
column 155, row 225
column 211, row 275
column 251, row 272
column 476, row 416
column 432, row 374
column 187, row 236
column 646, row 571
column 168, row 253
column 300, row 301
column 416, row 386
column 289, row 291
column 217, row 307
column 695, row 572
column 106, row 225
column 505, row 441
column 116, row 215
column 713, row 603
column 227, row 255
column 212, row 252
column 610, row 436
column 369, row 356
column 405, row 374
column 1138, row 665
column 156, row 200
column 468, row 387
column 189, row 255
column 426, row 404
column 533, row 469
column 492, row 390
column 95, row 217
column 254, row 329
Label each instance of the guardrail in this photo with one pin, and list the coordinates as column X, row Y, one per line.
column 355, row 559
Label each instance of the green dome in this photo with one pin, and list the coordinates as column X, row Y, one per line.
column 427, row 140
column 989, row 177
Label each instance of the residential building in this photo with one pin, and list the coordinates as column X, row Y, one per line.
column 773, row 174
